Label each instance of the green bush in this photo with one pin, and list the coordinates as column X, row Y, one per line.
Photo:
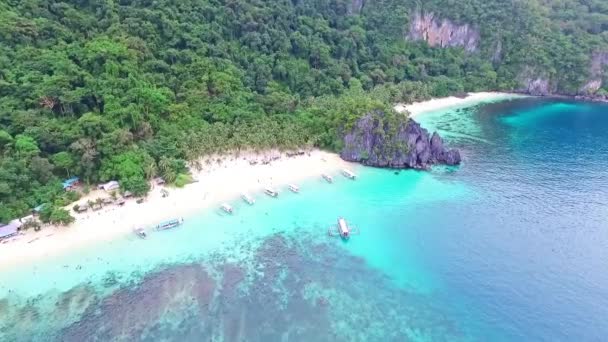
column 182, row 180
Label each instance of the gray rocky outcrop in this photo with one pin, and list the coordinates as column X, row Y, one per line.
column 355, row 6
column 377, row 141
column 599, row 60
column 440, row 32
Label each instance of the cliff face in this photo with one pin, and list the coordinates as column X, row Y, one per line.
column 599, row 61
column 355, row 6
column 535, row 83
column 442, row 32
column 375, row 142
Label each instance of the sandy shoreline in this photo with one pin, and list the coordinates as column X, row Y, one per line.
column 436, row 104
column 217, row 182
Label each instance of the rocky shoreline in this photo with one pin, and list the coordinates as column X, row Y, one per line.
column 381, row 140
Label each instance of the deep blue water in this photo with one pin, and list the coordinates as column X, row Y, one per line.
column 532, row 249
column 510, row 246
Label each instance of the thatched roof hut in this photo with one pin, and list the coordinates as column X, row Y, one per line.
column 81, row 208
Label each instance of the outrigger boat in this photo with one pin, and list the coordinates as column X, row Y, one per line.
column 170, row 224
column 227, row 208
column 140, row 232
column 327, row 178
column 271, row 192
column 349, row 174
column 293, row 188
column 248, row 199
column 342, row 229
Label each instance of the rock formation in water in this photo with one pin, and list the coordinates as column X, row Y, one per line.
column 382, row 141
column 442, row 32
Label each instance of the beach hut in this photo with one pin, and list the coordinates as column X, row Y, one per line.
column 127, row 194
column 120, row 201
column 81, row 208
column 107, row 200
column 70, row 184
column 111, row 185
column 159, row 181
column 22, row 221
column 38, row 209
column 8, row 230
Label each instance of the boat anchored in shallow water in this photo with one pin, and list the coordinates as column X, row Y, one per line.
column 342, row 229
column 327, row 178
column 349, row 174
column 140, row 232
column 294, row 188
column 227, row 208
column 248, row 199
column 170, row 224
column 271, row 192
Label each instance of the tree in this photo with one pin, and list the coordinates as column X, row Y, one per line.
column 136, row 185
column 26, row 146
column 61, row 216
column 64, row 161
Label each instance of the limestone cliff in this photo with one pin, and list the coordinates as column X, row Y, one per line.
column 355, row 6
column 442, row 32
column 599, row 61
column 376, row 140
column 535, row 83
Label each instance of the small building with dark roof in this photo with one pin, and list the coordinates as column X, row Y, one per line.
column 69, row 184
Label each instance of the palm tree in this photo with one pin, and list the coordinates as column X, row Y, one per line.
column 150, row 169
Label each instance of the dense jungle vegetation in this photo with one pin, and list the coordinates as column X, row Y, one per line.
column 130, row 89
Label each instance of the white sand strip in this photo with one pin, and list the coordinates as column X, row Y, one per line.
column 443, row 103
column 217, row 182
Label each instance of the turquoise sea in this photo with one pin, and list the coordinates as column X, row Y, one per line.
column 510, row 246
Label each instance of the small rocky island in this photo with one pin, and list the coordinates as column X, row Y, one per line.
column 394, row 141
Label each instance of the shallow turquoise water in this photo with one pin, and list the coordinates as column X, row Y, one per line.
column 511, row 246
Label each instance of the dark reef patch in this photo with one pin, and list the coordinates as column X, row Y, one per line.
column 292, row 289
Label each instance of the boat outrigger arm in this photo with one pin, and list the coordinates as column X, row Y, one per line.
column 342, row 229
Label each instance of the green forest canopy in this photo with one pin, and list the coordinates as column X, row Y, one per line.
column 128, row 89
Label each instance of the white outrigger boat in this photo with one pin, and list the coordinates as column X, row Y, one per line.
column 140, row 232
column 349, row 174
column 293, row 188
column 342, row 229
column 327, row 178
column 271, row 192
column 170, row 224
column 227, row 208
column 248, row 199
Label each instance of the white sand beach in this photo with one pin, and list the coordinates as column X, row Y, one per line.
column 436, row 104
column 222, row 178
